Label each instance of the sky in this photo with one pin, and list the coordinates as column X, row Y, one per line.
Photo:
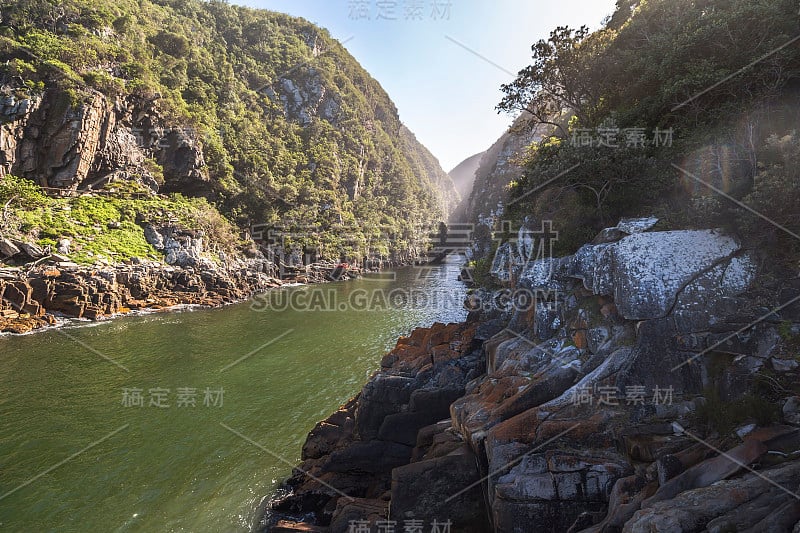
column 442, row 62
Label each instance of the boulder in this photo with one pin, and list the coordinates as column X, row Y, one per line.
column 369, row 457
column 32, row 251
column 545, row 387
column 444, row 489
column 647, row 271
column 772, row 510
column 403, row 427
column 721, row 504
column 436, row 440
column 791, row 410
column 709, row 471
column 382, row 396
column 154, row 237
column 8, row 248
column 784, row 365
column 63, row 246
column 330, row 434
column 636, row 225
column 625, row 499
column 357, row 510
column 626, row 226
column 553, row 489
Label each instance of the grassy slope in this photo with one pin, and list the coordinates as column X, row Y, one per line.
column 107, row 228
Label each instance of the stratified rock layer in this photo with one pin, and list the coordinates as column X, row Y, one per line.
column 385, row 443
column 29, row 302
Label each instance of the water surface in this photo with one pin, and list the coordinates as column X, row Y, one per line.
column 75, row 457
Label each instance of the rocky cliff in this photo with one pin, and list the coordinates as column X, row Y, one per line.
column 34, row 299
column 82, row 146
column 646, row 383
column 499, row 166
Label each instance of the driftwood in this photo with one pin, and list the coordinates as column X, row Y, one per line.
column 5, row 207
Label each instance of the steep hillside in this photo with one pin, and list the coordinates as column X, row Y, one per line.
column 500, row 165
column 636, row 343
column 424, row 163
column 263, row 114
column 463, row 176
column 676, row 108
column 724, row 115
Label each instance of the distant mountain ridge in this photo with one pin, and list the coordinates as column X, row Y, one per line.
column 463, row 176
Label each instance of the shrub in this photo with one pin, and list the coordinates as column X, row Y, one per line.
column 171, row 43
column 104, row 82
column 20, row 192
column 723, row 416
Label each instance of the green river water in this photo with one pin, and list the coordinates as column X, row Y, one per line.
column 78, row 454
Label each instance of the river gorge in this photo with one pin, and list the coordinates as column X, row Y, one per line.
column 176, row 456
column 240, row 292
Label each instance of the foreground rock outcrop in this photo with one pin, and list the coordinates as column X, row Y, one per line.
column 394, row 443
column 652, row 387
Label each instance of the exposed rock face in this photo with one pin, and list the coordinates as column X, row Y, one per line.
column 441, row 487
column 376, row 447
column 576, row 421
column 499, row 165
column 180, row 154
column 78, row 292
column 182, row 247
column 305, row 98
column 16, row 115
column 731, row 505
column 645, row 272
column 19, row 311
column 8, row 248
column 630, row 312
column 76, row 146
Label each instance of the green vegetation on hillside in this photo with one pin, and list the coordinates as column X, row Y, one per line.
column 106, row 227
column 707, row 86
column 294, row 131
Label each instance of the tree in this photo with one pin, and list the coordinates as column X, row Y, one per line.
column 622, row 13
column 558, row 80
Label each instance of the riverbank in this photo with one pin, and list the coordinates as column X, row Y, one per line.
column 653, row 386
column 34, row 298
column 362, row 457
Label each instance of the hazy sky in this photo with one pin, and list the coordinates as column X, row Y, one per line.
column 425, row 54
